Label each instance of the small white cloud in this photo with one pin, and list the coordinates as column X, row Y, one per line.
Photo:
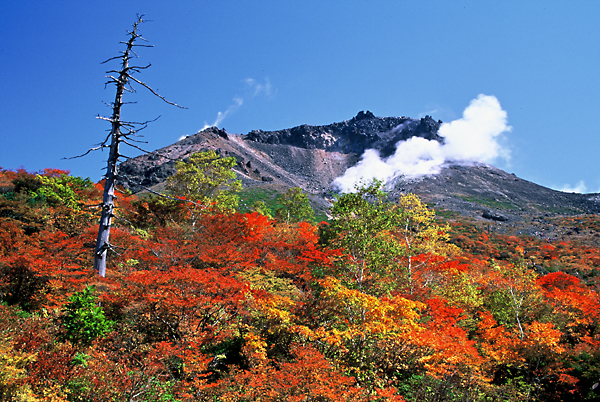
column 428, row 113
column 440, row 112
column 580, row 187
column 258, row 88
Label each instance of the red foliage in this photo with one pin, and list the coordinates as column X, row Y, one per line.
column 240, row 307
column 308, row 377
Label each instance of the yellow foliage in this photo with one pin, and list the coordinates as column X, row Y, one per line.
column 461, row 290
column 263, row 279
column 366, row 315
column 419, row 231
column 255, row 349
column 544, row 337
column 13, row 371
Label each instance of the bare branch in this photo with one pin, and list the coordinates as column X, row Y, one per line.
column 136, row 147
column 136, row 68
column 155, row 93
column 105, row 118
column 143, row 123
column 111, row 59
column 132, row 140
column 87, row 152
column 167, row 196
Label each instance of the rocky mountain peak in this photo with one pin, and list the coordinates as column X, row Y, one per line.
column 363, row 131
column 364, row 115
column 312, row 157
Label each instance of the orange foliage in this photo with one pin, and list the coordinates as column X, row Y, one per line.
column 240, row 307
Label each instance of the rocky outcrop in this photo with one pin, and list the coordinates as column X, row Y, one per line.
column 487, row 214
column 352, row 136
column 278, row 153
column 312, row 157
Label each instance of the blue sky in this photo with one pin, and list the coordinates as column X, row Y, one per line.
column 277, row 64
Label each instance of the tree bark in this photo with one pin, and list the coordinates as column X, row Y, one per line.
column 108, row 198
column 121, row 79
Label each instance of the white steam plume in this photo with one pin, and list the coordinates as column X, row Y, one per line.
column 580, row 188
column 257, row 88
column 237, row 102
column 472, row 138
column 253, row 88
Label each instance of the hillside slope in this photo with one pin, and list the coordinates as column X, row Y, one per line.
column 311, row 157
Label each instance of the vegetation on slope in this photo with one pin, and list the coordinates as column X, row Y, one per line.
column 204, row 303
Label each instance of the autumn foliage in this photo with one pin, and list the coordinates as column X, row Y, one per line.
column 224, row 306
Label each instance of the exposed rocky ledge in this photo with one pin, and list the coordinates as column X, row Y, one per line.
column 363, row 131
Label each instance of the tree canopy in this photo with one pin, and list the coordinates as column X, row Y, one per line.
column 386, row 302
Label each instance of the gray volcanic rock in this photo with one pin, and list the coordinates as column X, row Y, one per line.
column 487, row 214
column 491, row 195
column 352, row 136
column 312, row 157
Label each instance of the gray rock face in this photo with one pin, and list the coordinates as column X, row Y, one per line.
column 344, row 141
column 487, row 214
column 312, row 157
column 352, row 136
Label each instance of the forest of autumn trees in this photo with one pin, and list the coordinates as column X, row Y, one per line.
column 201, row 302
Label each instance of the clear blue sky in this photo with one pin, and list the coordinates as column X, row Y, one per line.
column 275, row 64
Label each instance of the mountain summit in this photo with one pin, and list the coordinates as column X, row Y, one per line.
column 362, row 132
column 306, row 156
column 312, row 157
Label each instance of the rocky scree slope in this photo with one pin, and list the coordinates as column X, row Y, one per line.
column 311, row 157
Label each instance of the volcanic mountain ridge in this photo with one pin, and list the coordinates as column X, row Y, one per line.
column 311, row 157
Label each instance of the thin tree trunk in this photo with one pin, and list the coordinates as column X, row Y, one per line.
column 121, row 79
column 108, row 199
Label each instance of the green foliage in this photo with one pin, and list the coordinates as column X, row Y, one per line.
column 80, row 359
column 208, row 180
column 160, row 392
column 250, row 195
column 361, row 224
column 60, row 190
column 491, row 202
column 83, row 320
column 424, row 388
column 295, row 206
column 262, row 208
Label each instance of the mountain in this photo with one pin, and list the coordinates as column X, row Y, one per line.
column 311, row 157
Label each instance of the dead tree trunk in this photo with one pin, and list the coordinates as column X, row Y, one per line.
column 108, row 198
column 120, row 133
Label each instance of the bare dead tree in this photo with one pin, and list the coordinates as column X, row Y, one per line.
column 121, row 133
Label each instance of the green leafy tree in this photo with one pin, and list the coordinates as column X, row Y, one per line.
column 61, row 190
column 362, row 224
column 262, row 208
column 382, row 238
column 295, row 206
column 208, row 181
column 83, row 320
